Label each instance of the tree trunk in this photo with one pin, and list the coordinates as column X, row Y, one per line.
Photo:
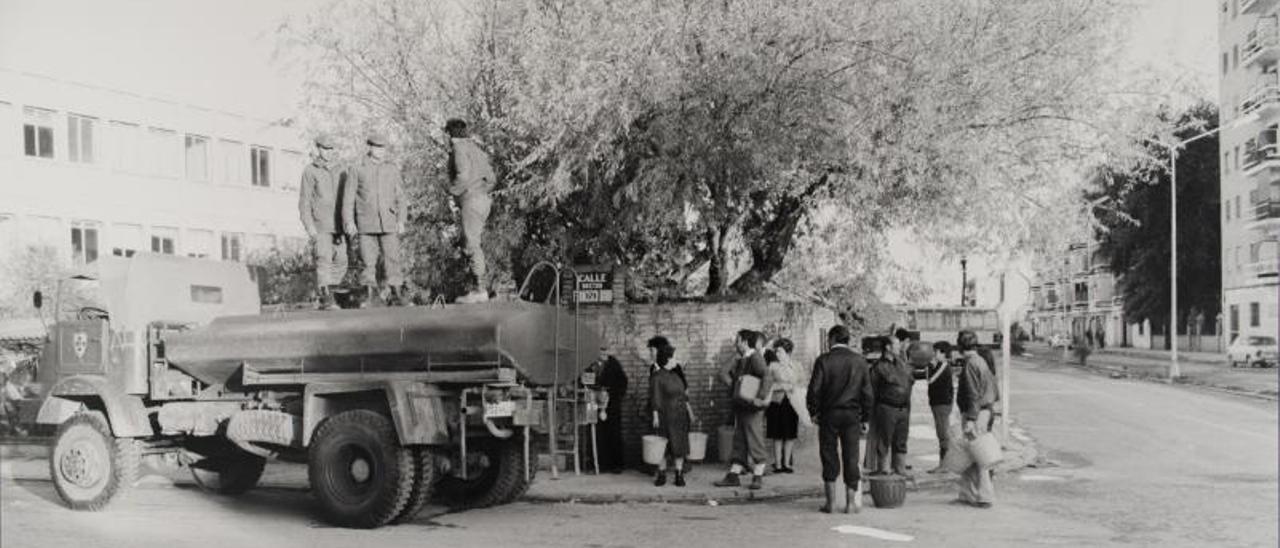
column 718, row 270
column 770, row 242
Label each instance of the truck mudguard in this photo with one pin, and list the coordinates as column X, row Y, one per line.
column 416, row 408
column 125, row 413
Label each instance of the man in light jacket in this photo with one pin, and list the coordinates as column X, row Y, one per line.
column 976, row 398
column 471, row 179
column 320, row 208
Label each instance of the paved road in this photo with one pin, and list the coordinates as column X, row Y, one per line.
column 1141, row 464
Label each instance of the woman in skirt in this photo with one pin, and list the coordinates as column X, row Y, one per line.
column 669, row 400
column 781, row 420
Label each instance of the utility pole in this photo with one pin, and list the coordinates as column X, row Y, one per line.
column 964, row 281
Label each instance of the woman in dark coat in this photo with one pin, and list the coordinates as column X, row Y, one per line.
column 669, row 400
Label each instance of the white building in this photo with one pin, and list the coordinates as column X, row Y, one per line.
column 1250, row 189
column 94, row 171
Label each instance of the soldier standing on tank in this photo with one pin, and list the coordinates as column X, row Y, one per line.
column 471, row 179
column 320, row 207
column 373, row 206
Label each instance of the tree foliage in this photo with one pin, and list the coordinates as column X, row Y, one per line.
column 668, row 135
column 1133, row 224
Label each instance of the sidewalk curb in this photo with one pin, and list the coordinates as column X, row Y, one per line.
column 1138, row 376
column 1014, row 462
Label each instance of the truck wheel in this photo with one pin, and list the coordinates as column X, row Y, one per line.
column 89, row 465
column 358, row 470
column 233, row 473
column 502, row 481
column 426, row 474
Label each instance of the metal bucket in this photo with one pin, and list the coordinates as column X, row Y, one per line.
column 724, row 443
column 655, row 449
column 888, row 491
column 697, row 446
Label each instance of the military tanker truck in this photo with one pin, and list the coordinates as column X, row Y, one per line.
column 388, row 407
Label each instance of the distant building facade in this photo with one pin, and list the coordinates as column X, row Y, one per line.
column 1074, row 295
column 91, row 172
column 1250, row 184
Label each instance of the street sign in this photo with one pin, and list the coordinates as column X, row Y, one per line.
column 594, row 285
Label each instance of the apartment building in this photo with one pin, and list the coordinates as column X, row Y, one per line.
column 1074, row 294
column 1250, row 183
column 92, row 171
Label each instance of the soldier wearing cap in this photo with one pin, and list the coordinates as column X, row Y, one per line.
column 471, row 179
column 320, row 207
column 374, row 208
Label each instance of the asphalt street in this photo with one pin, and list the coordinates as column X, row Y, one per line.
column 1130, row 463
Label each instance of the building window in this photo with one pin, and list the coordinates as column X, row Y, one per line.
column 260, row 163
column 125, row 147
column 126, row 239
column 1235, row 57
column 231, row 162
column 231, row 244
column 37, row 132
column 164, row 240
column 1235, row 8
column 197, row 149
column 1234, row 319
column 80, row 138
column 1255, row 315
column 1237, row 159
column 1238, row 206
column 84, row 242
column 1225, row 63
column 163, row 154
column 1226, row 210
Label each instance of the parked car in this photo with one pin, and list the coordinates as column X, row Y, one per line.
column 1060, row 340
column 1253, row 351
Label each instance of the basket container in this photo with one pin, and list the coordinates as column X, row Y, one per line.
column 888, row 491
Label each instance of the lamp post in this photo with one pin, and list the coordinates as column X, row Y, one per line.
column 964, row 281
column 1172, row 334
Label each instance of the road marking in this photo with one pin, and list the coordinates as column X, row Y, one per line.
column 873, row 533
column 1036, row 477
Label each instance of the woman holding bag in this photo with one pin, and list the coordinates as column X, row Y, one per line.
column 669, row 402
column 975, row 397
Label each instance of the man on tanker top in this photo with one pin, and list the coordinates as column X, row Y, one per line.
column 748, row 414
column 471, row 179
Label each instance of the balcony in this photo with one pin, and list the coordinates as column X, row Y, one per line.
column 1265, row 211
column 1261, row 159
column 1263, row 97
column 1262, row 45
column 1256, row 6
column 1262, row 269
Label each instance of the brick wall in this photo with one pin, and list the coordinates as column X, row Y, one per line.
column 703, row 334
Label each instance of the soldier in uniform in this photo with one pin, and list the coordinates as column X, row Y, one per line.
column 320, row 207
column 374, row 207
column 471, row 179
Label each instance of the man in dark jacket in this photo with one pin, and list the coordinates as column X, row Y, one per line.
column 611, row 378
column 891, row 381
column 748, row 434
column 471, row 179
column 373, row 206
column 320, row 208
column 839, row 401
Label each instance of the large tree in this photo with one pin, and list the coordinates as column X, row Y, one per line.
column 667, row 135
column 1133, row 225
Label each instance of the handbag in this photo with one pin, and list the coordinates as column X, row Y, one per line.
column 985, row 450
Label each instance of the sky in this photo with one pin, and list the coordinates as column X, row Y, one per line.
column 220, row 54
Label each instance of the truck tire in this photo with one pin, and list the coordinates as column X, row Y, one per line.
column 90, row 467
column 501, row 482
column 426, row 474
column 232, row 473
column 358, row 470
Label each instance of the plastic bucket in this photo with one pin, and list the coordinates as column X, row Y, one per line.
column 724, row 443
column 888, row 491
column 985, row 450
column 655, row 449
column 697, row 446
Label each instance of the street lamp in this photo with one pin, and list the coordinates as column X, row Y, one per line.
column 1172, row 335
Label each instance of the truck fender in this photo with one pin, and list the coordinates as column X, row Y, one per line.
column 417, row 409
column 126, row 415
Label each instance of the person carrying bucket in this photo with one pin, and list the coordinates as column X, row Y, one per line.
column 975, row 397
column 669, row 402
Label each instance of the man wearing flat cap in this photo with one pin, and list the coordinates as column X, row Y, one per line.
column 320, row 206
column 374, row 207
column 471, row 179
